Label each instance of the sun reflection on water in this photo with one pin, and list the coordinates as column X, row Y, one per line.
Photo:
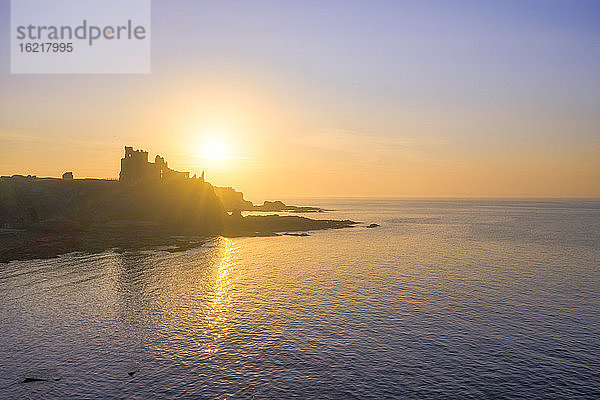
column 220, row 303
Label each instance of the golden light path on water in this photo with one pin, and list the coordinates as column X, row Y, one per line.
column 220, row 303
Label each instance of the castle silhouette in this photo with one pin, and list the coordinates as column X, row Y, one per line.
column 136, row 168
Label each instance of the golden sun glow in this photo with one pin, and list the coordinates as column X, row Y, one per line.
column 214, row 148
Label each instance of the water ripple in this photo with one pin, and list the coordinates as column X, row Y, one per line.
column 444, row 300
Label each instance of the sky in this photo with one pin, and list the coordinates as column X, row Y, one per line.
column 284, row 99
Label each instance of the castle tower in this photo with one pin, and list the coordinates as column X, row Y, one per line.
column 135, row 168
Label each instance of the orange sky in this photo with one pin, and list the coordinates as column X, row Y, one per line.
column 270, row 150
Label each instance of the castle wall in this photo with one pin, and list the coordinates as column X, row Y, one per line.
column 136, row 168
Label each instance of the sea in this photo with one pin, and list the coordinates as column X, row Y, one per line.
column 446, row 299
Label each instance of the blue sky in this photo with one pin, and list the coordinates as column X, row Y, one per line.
column 475, row 76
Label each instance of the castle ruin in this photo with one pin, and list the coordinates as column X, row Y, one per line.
column 135, row 168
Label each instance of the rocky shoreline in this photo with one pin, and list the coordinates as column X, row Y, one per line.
column 46, row 217
column 43, row 243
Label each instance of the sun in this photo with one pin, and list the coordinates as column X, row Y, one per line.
column 214, row 148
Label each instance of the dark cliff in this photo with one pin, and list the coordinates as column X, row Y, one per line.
column 186, row 205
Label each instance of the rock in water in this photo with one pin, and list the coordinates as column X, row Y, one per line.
column 27, row 380
column 373, row 226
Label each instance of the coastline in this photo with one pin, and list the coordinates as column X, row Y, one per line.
column 149, row 206
column 24, row 244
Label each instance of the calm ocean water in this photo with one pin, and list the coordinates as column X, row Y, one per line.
column 447, row 299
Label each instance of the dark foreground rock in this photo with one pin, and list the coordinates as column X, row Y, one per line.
column 373, row 226
column 47, row 217
column 129, row 235
column 233, row 200
column 255, row 225
column 280, row 206
column 35, row 243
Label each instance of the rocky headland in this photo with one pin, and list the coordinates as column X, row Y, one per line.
column 150, row 206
